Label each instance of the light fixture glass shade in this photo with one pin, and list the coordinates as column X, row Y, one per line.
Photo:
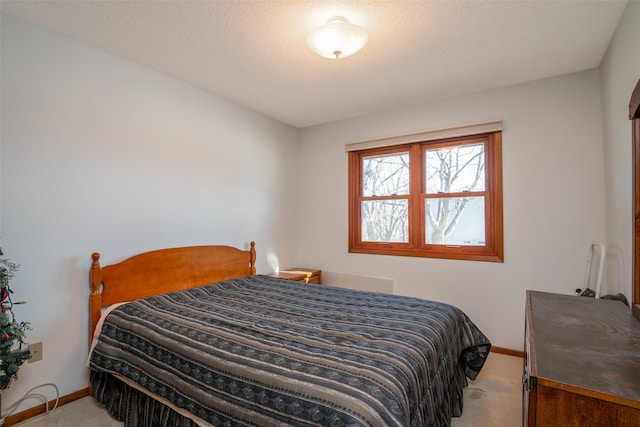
column 337, row 39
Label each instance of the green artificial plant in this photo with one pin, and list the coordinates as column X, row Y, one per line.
column 13, row 350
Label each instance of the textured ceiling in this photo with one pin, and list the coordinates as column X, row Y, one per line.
column 255, row 53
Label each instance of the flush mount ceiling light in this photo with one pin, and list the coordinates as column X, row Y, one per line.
column 337, row 39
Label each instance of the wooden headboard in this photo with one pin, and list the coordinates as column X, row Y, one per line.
column 161, row 271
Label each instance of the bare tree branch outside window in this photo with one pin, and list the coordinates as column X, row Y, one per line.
column 385, row 219
column 451, row 171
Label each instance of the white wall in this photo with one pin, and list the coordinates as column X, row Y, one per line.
column 553, row 199
column 100, row 154
column 619, row 73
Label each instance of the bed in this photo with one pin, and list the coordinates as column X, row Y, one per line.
column 194, row 337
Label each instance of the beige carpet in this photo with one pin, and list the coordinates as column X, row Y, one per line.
column 494, row 399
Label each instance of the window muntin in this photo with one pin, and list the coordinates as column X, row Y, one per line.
column 438, row 199
column 384, row 208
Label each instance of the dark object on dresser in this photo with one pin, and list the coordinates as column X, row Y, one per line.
column 591, row 294
column 582, row 362
column 617, row 297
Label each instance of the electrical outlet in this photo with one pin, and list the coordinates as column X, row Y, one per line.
column 36, row 352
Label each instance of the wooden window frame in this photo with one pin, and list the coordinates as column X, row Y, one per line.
column 634, row 116
column 492, row 251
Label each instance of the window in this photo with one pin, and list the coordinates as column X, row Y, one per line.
column 439, row 198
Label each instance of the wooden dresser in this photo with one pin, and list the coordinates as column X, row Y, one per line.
column 582, row 362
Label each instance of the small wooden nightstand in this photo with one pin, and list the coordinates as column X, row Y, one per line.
column 305, row 275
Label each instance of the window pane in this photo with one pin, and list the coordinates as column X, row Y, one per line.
column 385, row 175
column 385, row 221
column 455, row 221
column 455, row 169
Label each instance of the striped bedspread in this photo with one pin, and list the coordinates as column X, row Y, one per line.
column 258, row 351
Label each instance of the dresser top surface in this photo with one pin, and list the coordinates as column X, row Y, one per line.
column 589, row 343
